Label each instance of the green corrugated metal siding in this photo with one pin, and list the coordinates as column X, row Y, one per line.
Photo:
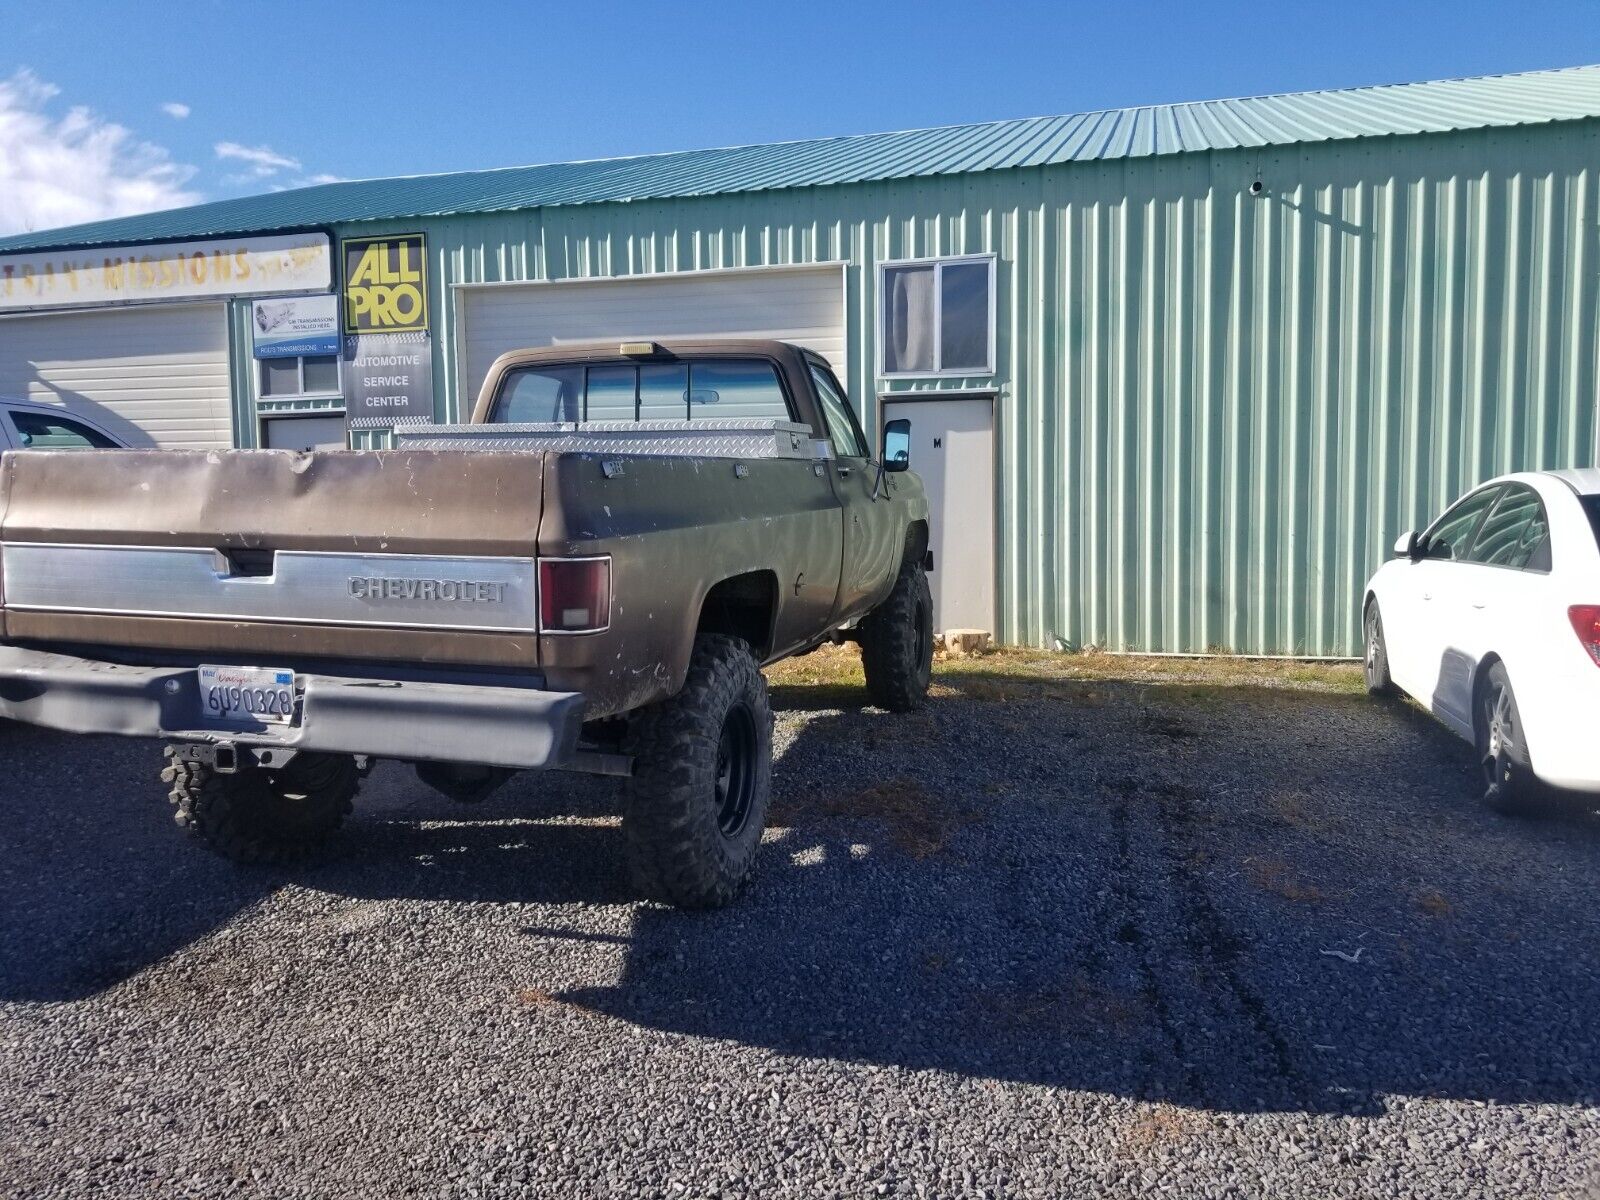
column 1215, row 411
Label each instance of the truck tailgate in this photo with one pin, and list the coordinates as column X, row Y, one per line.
column 408, row 555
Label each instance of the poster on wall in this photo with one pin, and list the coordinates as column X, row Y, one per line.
column 294, row 326
column 388, row 379
column 385, row 283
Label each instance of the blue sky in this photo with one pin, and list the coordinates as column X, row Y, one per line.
column 279, row 93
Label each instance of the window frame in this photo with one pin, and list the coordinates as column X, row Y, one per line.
column 815, row 365
column 300, row 375
column 939, row 262
column 1508, row 488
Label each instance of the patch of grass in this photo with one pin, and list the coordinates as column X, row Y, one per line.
column 1434, row 902
column 1298, row 810
column 1014, row 673
column 1160, row 1125
column 1277, row 877
column 919, row 823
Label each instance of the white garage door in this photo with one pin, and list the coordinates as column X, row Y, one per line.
column 799, row 304
column 160, row 368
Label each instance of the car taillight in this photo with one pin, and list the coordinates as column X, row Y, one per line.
column 1585, row 620
column 574, row 595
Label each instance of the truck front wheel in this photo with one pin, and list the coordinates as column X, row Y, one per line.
column 702, row 774
column 263, row 816
column 897, row 643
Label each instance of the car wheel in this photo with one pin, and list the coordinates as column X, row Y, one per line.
column 1376, row 656
column 1508, row 780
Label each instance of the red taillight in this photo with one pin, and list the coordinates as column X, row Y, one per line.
column 574, row 595
column 1585, row 620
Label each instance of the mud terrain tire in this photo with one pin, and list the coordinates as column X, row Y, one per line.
column 260, row 816
column 702, row 776
column 897, row 643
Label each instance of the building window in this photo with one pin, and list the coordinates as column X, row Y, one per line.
column 937, row 317
column 313, row 375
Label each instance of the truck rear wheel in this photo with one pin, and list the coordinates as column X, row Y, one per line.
column 263, row 816
column 702, row 774
column 897, row 643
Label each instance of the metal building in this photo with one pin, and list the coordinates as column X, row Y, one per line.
column 1178, row 375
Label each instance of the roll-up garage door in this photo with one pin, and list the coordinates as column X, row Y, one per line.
column 794, row 304
column 160, row 369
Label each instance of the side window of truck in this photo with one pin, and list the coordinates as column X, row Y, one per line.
column 843, row 428
column 540, row 394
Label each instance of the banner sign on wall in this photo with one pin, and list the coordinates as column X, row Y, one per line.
column 244, row 266
column 295, row 325
column 388, row 379
column 385, row 283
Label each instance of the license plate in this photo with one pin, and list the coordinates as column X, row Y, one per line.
column 247, row 694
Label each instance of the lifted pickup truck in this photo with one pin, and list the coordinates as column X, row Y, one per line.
column 587, row 576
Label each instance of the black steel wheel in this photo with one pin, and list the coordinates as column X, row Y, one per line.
column 736, row 770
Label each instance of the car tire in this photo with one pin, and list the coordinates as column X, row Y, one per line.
column 1510, row 786
column 1375, row 653
column 702, row 778
column 255, row 815
column 897, row 643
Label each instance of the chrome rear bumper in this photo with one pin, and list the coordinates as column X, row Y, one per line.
column 440, row 722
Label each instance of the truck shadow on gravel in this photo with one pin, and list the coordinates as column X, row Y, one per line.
column 1224, row 898
column 1232, row 899
column 95, row 881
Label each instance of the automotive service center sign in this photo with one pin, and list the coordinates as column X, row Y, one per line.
column 200, row 270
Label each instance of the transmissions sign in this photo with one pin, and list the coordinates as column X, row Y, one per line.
column 386, row 283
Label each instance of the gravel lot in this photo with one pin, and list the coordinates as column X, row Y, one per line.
column 1066, row 937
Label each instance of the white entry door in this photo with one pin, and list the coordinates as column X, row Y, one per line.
column 952, row 449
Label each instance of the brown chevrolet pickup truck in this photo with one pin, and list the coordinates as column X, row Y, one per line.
column 587, row 576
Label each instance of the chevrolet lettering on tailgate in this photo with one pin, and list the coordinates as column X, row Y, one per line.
column 466, row 591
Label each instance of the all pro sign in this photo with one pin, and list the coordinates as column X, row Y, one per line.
column 386, row 283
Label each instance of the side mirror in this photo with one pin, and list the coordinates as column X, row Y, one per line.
column 1409, row 545
column 897, row 445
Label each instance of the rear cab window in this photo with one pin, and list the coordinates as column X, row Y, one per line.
column 697, row 389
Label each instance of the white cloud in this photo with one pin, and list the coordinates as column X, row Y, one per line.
column 322, row 178
column 263, row 161
column 176, row 109
column 62, row 170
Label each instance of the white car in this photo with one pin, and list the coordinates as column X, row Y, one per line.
column 30, row 425
column 1490, row 619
